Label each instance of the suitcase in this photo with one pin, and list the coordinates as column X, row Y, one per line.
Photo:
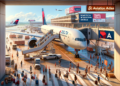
column 56, row 75
column 45, row 83
column 36, row 82
column 13, row 80
column 33, row 77
column 14, row 74
column 73, row 82
column 96, row 82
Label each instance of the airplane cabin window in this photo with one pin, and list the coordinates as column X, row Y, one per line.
column 80, row 39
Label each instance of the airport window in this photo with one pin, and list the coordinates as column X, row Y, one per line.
column 80, row 39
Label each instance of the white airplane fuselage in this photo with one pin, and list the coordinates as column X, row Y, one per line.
column 10, row 25
column 71, row 37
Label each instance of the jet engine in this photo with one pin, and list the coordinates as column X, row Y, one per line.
column 88, row 42
column 32, row 42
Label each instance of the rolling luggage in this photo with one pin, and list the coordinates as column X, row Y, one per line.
column 96, row 82
column 56, row 75
column 73, row 82
column 14, row 74
column 45, row 83
column 36, row 82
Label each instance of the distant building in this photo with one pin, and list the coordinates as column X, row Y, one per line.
column 35, row 25
column 73, row 21
column 110, row 20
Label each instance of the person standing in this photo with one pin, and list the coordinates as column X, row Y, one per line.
column 111, row 63
column 106, row 75
column 70, row 64
column 100, row 70
column 49, row 74
column 21, row 63
column 102, row 62
column 75, row 78
column 30, row 68
column 99, row 79
column 59, row 62
column 17, row 53
column 59, row 74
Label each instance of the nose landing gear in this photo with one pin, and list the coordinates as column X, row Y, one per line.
column 76, row 55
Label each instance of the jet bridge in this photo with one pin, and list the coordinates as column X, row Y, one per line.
column 98, row 34
column 42, row 42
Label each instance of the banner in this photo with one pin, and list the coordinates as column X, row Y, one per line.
column 85, row 17
column 100, row 7
column 96, row 17
column 106, row 34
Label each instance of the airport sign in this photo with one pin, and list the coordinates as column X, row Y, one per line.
column 100, row 7
column 99, row 16
column 85, row 17
column 106, row 34
column 98, row 20
column 95, row 17
column 73, row 9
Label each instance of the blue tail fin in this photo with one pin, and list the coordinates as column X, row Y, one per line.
column 43, row 18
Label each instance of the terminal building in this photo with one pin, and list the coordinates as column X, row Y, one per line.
column 73, row 21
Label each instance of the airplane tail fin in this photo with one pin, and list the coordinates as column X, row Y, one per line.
column 43, row 18
column 16, row 22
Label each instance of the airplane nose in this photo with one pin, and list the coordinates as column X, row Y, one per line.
column 83, row 45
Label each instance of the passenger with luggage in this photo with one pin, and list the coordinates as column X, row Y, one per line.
column 49, row 74
column 56, row 73
column 99, row 79
column 30, row 68
column 36, row 81
column 106, row 75
column 75, row 78
column 102, row 62
column 100, row 69
column 21, row 63
column 59, row 62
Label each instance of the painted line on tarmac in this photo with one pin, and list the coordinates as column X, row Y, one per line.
column 67, row 56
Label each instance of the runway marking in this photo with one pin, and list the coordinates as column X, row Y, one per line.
column 67, row 56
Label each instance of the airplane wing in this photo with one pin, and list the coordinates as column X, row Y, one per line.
column 34, row 35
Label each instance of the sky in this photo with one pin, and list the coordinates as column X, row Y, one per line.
column 25, row 13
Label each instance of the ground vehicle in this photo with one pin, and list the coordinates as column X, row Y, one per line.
column 37, row 63
column 51, row 56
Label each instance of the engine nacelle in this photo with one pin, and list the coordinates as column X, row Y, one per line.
column 32, row 42
column 88, row 42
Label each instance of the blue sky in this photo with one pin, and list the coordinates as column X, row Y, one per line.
column 24, row 13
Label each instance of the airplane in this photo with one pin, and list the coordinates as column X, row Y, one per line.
column 69, row 36
column 59, row 10
column 13, row 24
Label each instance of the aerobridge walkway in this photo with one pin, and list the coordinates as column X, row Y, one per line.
column 42, row 42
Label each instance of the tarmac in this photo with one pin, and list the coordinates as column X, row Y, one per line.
column 67, row 57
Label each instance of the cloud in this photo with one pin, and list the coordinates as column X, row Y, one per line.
column 24, row 17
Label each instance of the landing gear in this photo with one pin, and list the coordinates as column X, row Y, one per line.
column 66, row 45
column 76, row 55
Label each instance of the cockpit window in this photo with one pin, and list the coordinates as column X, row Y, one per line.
column 80, row 39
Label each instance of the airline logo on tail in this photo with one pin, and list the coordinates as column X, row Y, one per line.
column 16, row 22
column 43, row 17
